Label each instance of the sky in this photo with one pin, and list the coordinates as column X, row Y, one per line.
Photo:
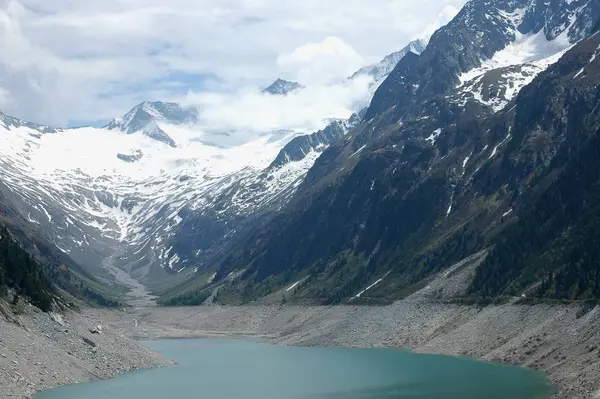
column 65, row 62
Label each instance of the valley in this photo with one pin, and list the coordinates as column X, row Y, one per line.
column 560, row 340
column 443, row 155
column 444, row 200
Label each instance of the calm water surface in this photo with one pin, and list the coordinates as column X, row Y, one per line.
column 224, row 369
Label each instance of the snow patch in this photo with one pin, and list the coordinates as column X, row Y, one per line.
column 524, row 49
column 371, row 286
column 358, row 151
column 528, row 55
column 173, row 261
column 436, row 133
column 293, row 286
column 495, row 150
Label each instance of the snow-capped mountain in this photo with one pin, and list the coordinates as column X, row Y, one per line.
column 517, row 39
column 148, row 197
column 457, row 139
column 9, row 122
column 282, row 87
column 379, row 71
column 113, row 198
column 145, row 117
column 531, row 48
column 153, row 200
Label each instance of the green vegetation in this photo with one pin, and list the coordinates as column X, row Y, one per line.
column 557, row 238
column 191, row 298
column 19, row 271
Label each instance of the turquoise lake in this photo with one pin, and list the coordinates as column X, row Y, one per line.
column 223, row 369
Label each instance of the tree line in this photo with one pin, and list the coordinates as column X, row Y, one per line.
column 20, row 271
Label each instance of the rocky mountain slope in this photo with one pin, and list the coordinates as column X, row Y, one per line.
column 380, row 70
column 151, row 199
column 460, row 139
column 458, row 146
column 282, row 87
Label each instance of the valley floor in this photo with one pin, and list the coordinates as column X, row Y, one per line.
column 562, row 341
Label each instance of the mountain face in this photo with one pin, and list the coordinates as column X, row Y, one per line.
column 146, row 116
column 480, row 141
column 382, row 69
column 9, row 122
column 300, row 147
column 474, row 144
column 282, row 87
column 136, row 212
column 485, row 35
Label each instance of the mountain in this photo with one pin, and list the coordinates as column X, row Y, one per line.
column 282, row 87
column 485, row 35
column 146, row 116
column 9, row 122
column 135, row 212
column 35, row 268
column 383, row 68
column 149, row 201
column 300, row 147
column 20, row 272
column 490, row 123
column 485, row 141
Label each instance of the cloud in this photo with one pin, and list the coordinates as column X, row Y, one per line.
column 317, row 63
column 94, row 59
column 4, row 97
column 237, row 117
column 446, row 15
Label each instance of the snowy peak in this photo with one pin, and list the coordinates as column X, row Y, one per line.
column 9, row 122
column 538, row 34
column 282, row 87
column 154, row 131
column 488, row 35
column 382, row 69
column 145, row 118
column 573, row 18
column 302, row 146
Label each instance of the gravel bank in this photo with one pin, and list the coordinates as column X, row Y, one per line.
column 39, row 351
column 548, row 338
column 562, row 341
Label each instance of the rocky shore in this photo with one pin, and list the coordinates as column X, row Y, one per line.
column 548, row 338
column 563, row 341
column 39, row 351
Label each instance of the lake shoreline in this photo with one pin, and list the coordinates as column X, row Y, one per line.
column 330, row 372
column 562, row 341
column 552, row 339
column 40, row 351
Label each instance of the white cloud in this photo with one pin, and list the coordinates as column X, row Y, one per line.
column 234, row 118
column 446, row 15
column 316, row 63
column 4, row 97
column 94, row 59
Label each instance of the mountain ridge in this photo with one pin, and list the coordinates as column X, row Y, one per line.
column 282, row 87
column 395, row 201
column 380, row 70
column 374, row 204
